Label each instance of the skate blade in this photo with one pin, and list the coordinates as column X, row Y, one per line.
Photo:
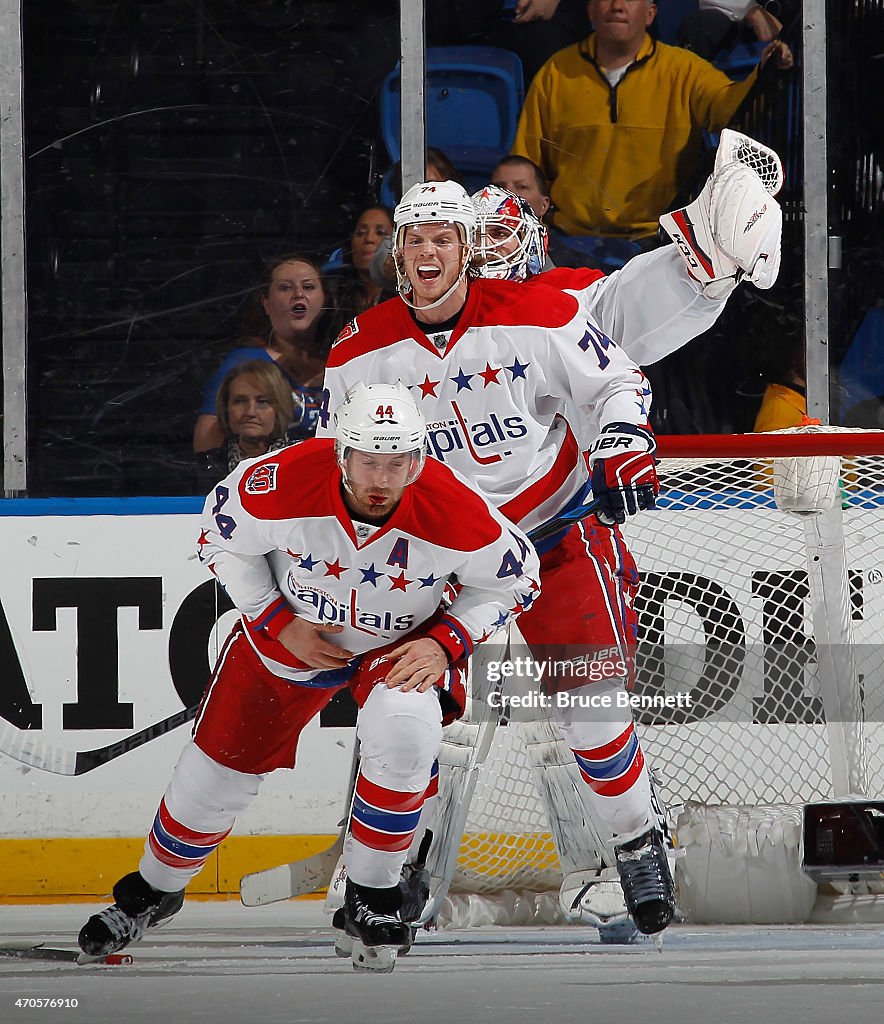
column 344, row 945
column 619, row 932
column 377, row 959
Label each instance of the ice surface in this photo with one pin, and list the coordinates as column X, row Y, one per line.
column 221, row 963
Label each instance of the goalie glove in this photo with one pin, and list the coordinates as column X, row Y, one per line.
column 733, row 229
column 624, row 479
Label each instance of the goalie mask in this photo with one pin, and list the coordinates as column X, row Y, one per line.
column 510, row 238
column 381, row 419
column 430, row 203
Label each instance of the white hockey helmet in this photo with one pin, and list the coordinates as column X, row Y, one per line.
column 495, row 207
column 381, row 419
column 435, row 202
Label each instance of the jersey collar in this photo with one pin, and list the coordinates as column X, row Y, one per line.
column 342, row 513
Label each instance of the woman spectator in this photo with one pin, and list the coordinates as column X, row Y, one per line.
column 291, row 319
column 253, row 407
column 357, row 291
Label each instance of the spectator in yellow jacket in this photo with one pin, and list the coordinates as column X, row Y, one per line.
column 615, row 121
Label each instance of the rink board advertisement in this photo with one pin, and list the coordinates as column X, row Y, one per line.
column 110, row 623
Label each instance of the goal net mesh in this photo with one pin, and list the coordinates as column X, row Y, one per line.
column 762, row 599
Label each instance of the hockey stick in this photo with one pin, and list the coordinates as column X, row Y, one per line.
column 37, row 951
column 300, row 877
column 26, row 747
column 563, row 521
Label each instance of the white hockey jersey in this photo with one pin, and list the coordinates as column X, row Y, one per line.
column 278, row 536
column 510, row 396
column 651, row 307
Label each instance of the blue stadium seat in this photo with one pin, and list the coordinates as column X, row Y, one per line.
column 861, row 373
column 473, row 98
column 670, row 15
column 736, row 62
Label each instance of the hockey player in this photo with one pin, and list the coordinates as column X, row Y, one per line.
column 731, row 232
column 336, row 552
column 510, row 380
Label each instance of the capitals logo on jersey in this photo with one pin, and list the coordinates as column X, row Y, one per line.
column 350, row 330
column 328, row 609
column 456, row 435
column 262, row 479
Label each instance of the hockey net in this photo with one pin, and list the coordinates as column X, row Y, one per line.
column 762, row 598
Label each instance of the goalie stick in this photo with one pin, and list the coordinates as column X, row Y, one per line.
column 444, row 850
column 300, row 877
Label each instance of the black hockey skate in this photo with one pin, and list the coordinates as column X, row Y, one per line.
column 647, row 883
column 372, row 918
column 414, row 885
column 137, row 907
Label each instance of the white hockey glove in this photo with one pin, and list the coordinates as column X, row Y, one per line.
column 624, row 477
column 733, row 229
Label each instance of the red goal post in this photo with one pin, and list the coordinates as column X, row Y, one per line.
column 762, row 597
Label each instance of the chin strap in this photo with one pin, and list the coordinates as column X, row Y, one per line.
column 404, row 287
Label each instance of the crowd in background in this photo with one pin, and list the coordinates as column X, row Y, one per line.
column 614, row 131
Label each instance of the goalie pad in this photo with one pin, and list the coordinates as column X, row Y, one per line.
column 559, row 785
column 465, row 745
column 595, row 896
column 733, row 229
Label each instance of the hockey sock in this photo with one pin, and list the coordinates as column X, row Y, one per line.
column 613, row 767
column 195, row 816
column 381, row 831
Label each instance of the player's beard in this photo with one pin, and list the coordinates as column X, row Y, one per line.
column 371, row 504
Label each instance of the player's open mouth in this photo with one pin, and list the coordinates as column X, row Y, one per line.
column 299, row 309
column 429, row 273
column 377, row 499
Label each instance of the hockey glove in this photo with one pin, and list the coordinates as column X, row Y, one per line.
column 733, row 229
column 624, row 479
